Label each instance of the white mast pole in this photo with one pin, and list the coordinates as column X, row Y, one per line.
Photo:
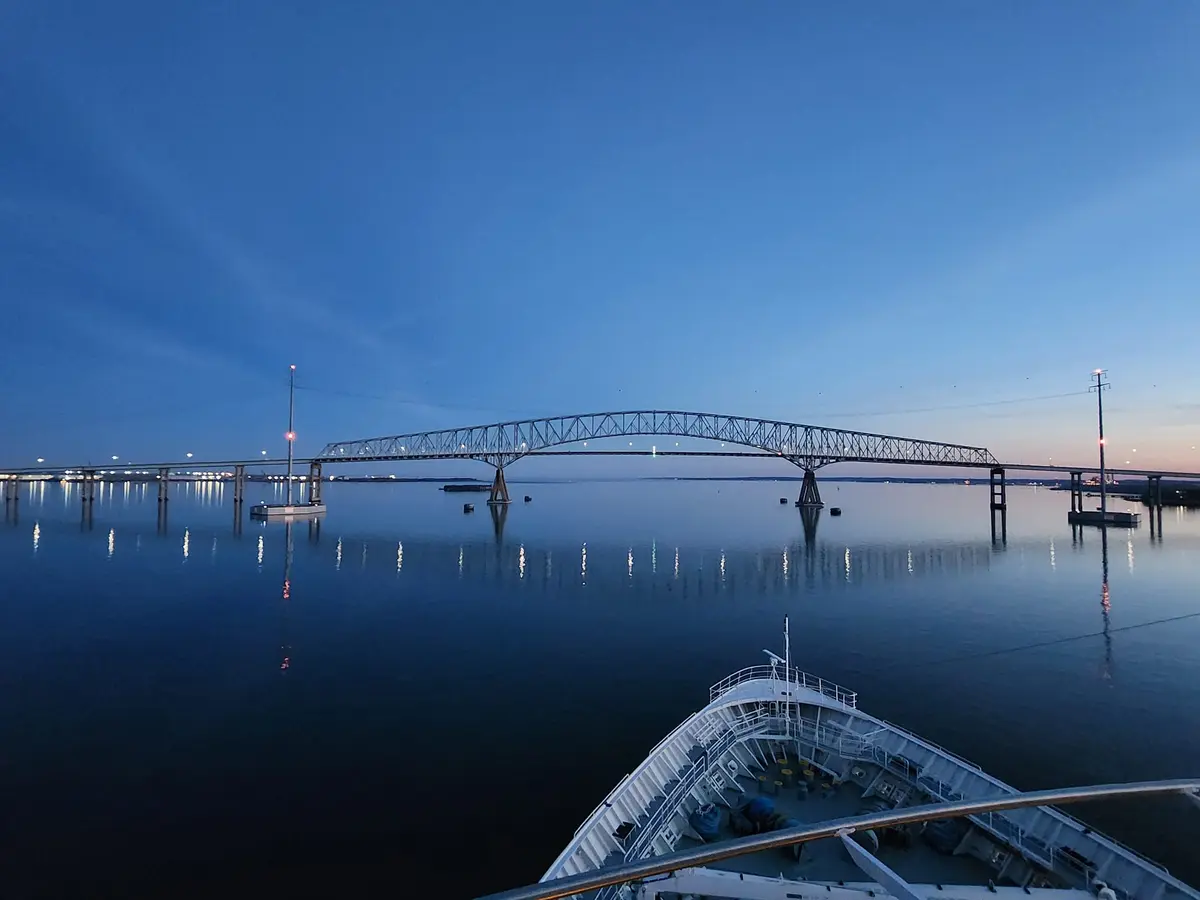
column 787, row 669
column 291, row 432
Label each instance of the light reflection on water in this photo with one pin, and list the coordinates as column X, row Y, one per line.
column 905, row 598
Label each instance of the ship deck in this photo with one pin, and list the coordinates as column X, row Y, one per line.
column 827, row 860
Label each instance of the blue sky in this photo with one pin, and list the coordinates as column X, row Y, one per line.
column 875, row 216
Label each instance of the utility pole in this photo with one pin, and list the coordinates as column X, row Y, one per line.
column 291, row 432
column 1100, row 387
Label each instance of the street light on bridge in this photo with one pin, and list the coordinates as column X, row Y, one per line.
column 189, row 456
column 41, row 460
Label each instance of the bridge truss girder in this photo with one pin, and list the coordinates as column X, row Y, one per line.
column 806, row 446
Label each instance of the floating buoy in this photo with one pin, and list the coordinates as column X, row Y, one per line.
column 527, row 498
column 783, row 500
column 835, row 511
column 468, row 507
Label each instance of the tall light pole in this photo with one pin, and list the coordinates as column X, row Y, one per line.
column 1100, row 387
column 291, row 432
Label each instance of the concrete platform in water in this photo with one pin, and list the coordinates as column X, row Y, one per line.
column 284, row 510
column 1096, row 517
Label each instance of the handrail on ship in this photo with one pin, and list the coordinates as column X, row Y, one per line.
column 709, row 853
column 791, row 675
column 861, row 747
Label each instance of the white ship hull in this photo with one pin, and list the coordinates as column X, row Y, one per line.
column 801, row 745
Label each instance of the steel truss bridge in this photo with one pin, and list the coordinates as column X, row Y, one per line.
column 807, row 446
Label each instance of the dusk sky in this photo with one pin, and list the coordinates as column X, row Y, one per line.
column 895, row 217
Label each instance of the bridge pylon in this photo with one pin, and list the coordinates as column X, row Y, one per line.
column 499, row 492
column 810, row 495
column 314, row 482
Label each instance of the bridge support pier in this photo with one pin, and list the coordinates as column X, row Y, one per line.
column 999, row 490
column 87, row 489
column 1076, row 492
column 499, row 493
column 999, row 504
column 164, row 485
column 239, row 487
column 1154, row 491
column 314, row 483
column 810, row 495
column 1154, row 500
column 12, row 489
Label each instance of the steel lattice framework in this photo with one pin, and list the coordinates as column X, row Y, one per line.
column 807, row 446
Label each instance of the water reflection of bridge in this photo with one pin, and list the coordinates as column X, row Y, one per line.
column 654, row 567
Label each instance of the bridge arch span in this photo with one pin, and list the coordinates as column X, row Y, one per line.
column 807, row 446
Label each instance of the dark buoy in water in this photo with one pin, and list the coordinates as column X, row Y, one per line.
column 527, row 498
column 835, row 511
column 783, row 500
column 468, row 507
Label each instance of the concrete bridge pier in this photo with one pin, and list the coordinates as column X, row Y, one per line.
column 87, row 489
column 239, row 488
column 87, row 496
column 164, row 485
column 1154, row 501
column 1076, row 492
column 499, row 492
column 12, row 489
column 314, row 482
column 810, row 495
column 1000, row 536
column 999, row 490
column 1154, row 491
column 999, row 504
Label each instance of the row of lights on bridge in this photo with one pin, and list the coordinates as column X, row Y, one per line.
column 189, row 454
column 291, row 436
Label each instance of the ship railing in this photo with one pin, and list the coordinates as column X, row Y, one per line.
column 928, row 743
column 692, row 776
column 784, row 675
column 1049, row 855
column 849, row 746
column 751, row 724
column 642, row 869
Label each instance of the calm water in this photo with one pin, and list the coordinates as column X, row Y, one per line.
column 188, row 709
